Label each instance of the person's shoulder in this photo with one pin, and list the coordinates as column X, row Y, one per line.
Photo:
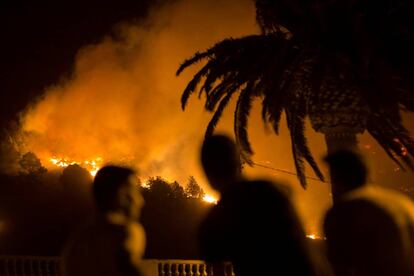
column 350, row 205
column 374, row 193
column 135, row 240
column 135, row 232
column 265, row 196
column 380, row 198
column 358, row 208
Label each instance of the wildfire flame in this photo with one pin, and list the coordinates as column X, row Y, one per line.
column 210, row 199
column 315, row 237
column 206, row 198
column 145, row 185
column 92, row 166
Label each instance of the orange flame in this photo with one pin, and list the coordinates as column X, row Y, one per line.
column 210, row 199
column 315, row 237
column 92, row 166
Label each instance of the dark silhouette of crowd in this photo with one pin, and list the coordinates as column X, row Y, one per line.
column 254, row 226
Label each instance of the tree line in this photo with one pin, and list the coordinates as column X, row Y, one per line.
column 39, row 209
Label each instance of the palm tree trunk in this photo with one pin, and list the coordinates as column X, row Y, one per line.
column 335, row 142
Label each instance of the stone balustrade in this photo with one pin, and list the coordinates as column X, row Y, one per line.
column 51, row 266
column 30, row 266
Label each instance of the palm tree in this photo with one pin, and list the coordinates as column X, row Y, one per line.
column 347, row 65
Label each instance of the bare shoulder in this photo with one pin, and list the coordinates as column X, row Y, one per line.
column 135, row 240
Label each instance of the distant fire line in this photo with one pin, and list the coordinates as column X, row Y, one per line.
column 92, row 166
column 315, row 237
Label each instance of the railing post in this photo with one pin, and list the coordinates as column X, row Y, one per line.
column 168, row 269
column 6, row 267
column 181, row 270
column 31, row 271
column 174, row 269
column 187, row 269
column 39, row 267
column 228, row 269
column 161, row 270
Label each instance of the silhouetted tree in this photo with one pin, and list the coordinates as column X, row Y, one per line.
column 177, row 190
column 30, row 165
column 159, row 187
column 32, row 209
column 171, row 219
column 345, row 64
column 40, row 213
column 76, row 177
column 77, row 194
column 194, row 190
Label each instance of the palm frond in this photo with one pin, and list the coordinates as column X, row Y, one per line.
column 217, row 115
column 218, row 71
column 278, row 86
column 394, row 138
column 297, row 156
column 382, row 141
column 363, row 45
column 234, row 62
column 296, row 123
column 192, row 85
column 227, row 86
column 191, row 61
column 244, row 57
column 241, row 114
column 302, row 145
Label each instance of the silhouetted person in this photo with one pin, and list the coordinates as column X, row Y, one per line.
column 369, row 230
column 115, row 243
column 254, row 225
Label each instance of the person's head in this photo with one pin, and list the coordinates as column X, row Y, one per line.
column 115, row 190
column 221, row 161
column 348, row 171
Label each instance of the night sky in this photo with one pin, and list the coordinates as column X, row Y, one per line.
column 40, row 39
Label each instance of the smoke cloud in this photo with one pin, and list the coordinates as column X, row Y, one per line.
column 121, row 102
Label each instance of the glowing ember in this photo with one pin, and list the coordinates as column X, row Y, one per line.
column 94, row 172
column 92, row 166
column 210, row 199
column 367, row 146
column 145, row 185
column 404, row 151
column 315, row 237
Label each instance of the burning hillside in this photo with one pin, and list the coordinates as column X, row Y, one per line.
column 92, row 166
column 121, row 102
